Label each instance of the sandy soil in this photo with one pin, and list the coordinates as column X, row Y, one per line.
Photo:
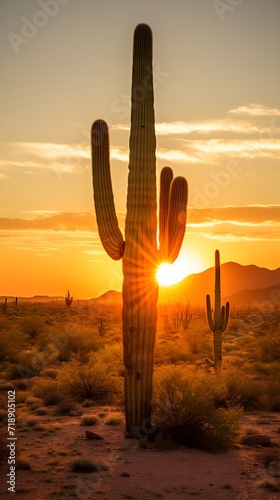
column 134, row 472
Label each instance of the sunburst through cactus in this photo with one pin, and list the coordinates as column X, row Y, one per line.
column 138, row 249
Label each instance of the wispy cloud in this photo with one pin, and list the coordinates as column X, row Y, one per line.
column 203, row 127
column 252, row 222
column 248, row 149
column 54, row 221
column 46, row 232
column 30, row 156
column 255, row 109
column 205, row 141
column 251, row 214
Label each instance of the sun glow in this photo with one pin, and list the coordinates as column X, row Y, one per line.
column 169, row 274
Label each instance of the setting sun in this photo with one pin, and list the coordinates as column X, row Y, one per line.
column 169, row 274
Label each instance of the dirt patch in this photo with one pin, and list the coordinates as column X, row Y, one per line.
column 49, row 445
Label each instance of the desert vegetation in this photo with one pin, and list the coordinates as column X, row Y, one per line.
column 60, row 382
column 67, row 362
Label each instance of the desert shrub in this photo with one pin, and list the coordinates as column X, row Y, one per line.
column 242, row 389
column 269, row 348
column 10, row 342
column 88, row 380
column 272, row 387
column 87, row 465
column 66, row 406
column 33, row 326
column 89, row 420
column 184, row 409
column 111, row 356
column 31, row 362
column 114, row 421
column 72, row 339
column 47, row 390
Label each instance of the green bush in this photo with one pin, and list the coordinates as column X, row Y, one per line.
column 74, row 340
column 185, row 410
column 242, row 389
column 88, row 380
column 48, row 390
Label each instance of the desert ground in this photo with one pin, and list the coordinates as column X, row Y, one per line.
column 44, row 346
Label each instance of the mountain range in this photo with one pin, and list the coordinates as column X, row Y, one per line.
column 241, row 285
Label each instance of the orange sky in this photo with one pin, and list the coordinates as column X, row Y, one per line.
column 217, row 122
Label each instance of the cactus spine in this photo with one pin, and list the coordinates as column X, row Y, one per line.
column 218, row 322
column 139, row 251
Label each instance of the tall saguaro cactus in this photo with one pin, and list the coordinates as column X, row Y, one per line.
column 139, row 251
column 218, row 322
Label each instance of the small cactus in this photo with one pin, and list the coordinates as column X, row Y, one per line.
column 218, row 322
column 101, row 327
column 187, row 319
column 68, row 299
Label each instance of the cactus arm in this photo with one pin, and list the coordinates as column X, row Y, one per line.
column 177, row 215
column 172, row 214
column 225, row 321
column 166, row 178
column 209, row 313
column 108, row 228
column 209, row 362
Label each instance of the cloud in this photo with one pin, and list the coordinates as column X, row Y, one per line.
column 203, row 127
column 258, row 214
column 247, row 149
column 55, row 221
column 45, row 232
column 195, row 142
column 252, row 222
column 233, row 237
column 255, row 109
column 30, row 156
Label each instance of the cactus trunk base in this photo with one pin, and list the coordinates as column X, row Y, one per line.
column 139, row 331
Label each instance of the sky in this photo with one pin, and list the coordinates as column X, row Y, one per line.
column 66, row 63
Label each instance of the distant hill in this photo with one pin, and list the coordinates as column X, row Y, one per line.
column 235, row 278
column 260, row 297
column 110, row 297
column 35, row 298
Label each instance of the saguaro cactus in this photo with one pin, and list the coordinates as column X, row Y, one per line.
column 68, row 299
column 139, row 252
column 218, row 322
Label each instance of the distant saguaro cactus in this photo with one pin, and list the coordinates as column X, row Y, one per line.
column 68, row 299
column 218, row 322
column 187, row 319
column 139, row 252
column 101, row 328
